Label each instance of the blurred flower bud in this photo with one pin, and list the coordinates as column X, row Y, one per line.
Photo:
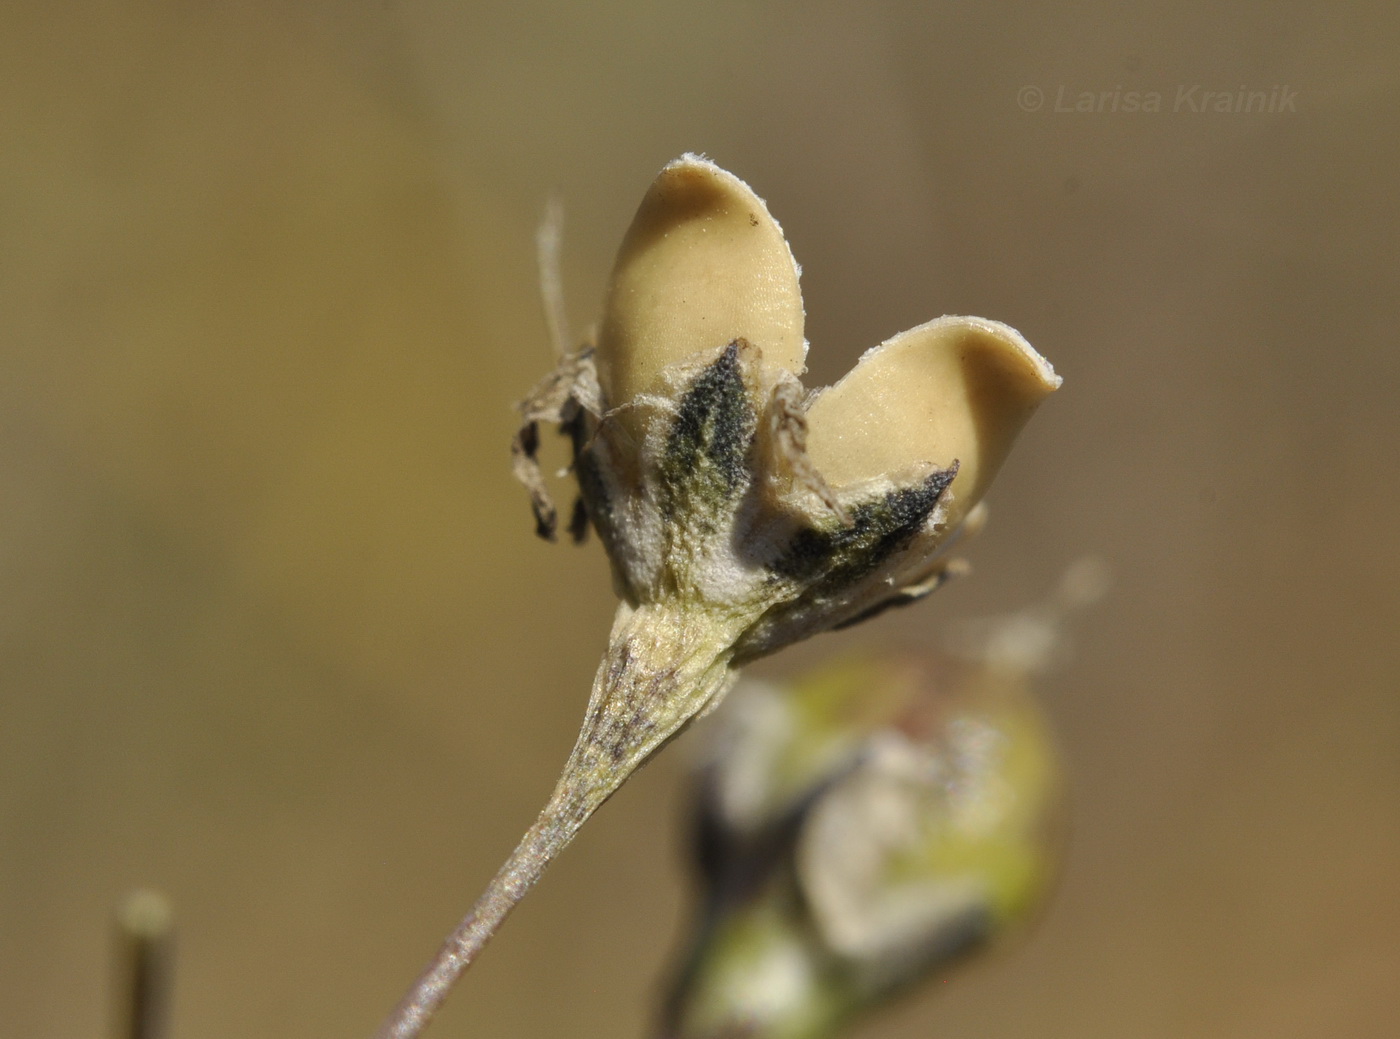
column 869, row 825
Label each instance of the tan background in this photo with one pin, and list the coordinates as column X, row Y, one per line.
column 275, row 635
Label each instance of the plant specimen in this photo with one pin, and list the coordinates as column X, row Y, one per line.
column 740, row 512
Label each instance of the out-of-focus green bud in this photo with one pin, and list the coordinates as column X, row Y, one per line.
column 869, row 825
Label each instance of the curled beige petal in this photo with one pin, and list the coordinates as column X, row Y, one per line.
column 702, row 265
column 956, row 388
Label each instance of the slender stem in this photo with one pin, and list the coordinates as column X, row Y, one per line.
column 548, row 254
column 144, row 937
column 661, row 669
column 555, row 827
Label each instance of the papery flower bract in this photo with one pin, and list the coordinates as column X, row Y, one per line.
column 717, row 483
column 739, row 512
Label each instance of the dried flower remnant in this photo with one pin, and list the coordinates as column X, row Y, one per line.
column 740, row 513
column 868, row 827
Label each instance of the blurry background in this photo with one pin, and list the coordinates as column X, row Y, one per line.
column 275, row 634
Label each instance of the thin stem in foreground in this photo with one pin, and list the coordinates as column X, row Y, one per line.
column 661, row 670
column 145, row 953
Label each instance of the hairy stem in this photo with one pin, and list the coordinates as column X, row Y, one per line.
column 663, row 667
column 555, row 827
